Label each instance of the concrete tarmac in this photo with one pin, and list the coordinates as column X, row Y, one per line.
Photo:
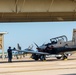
column 51, row 66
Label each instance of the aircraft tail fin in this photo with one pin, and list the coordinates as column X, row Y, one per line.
column 36, row 45
column 74, row 36
column 18, row 47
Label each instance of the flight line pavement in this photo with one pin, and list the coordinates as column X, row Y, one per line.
column 26, row 66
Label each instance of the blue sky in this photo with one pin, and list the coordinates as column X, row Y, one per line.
column 26, row 33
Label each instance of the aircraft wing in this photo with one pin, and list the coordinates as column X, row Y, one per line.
column 32, row 52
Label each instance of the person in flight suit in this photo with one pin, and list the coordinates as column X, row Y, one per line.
column 9, row 54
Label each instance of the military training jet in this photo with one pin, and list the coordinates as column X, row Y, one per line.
column 60, row 47
column 18, row 53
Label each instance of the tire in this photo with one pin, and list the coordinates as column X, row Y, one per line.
column 64, row 57
column 42, row 58
column 58, row 57
column 35, row 57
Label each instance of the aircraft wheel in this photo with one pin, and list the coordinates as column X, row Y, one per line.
column 36, row 57
column 42, row 58
column 64, row 58
column 58, row 57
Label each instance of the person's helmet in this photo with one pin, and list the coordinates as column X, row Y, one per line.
column 9, row 46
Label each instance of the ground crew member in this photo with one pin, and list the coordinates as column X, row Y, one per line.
column 9, row 54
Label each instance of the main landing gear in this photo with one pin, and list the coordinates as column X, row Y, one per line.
column 37, row 57
column 63, row 57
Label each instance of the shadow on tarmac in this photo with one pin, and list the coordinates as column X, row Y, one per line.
column 69, row 74
column 48, row 60
column 18, row 61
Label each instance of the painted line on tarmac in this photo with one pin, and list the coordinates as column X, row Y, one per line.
column 7, row 72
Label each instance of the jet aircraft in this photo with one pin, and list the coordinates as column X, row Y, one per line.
column 18, row 53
